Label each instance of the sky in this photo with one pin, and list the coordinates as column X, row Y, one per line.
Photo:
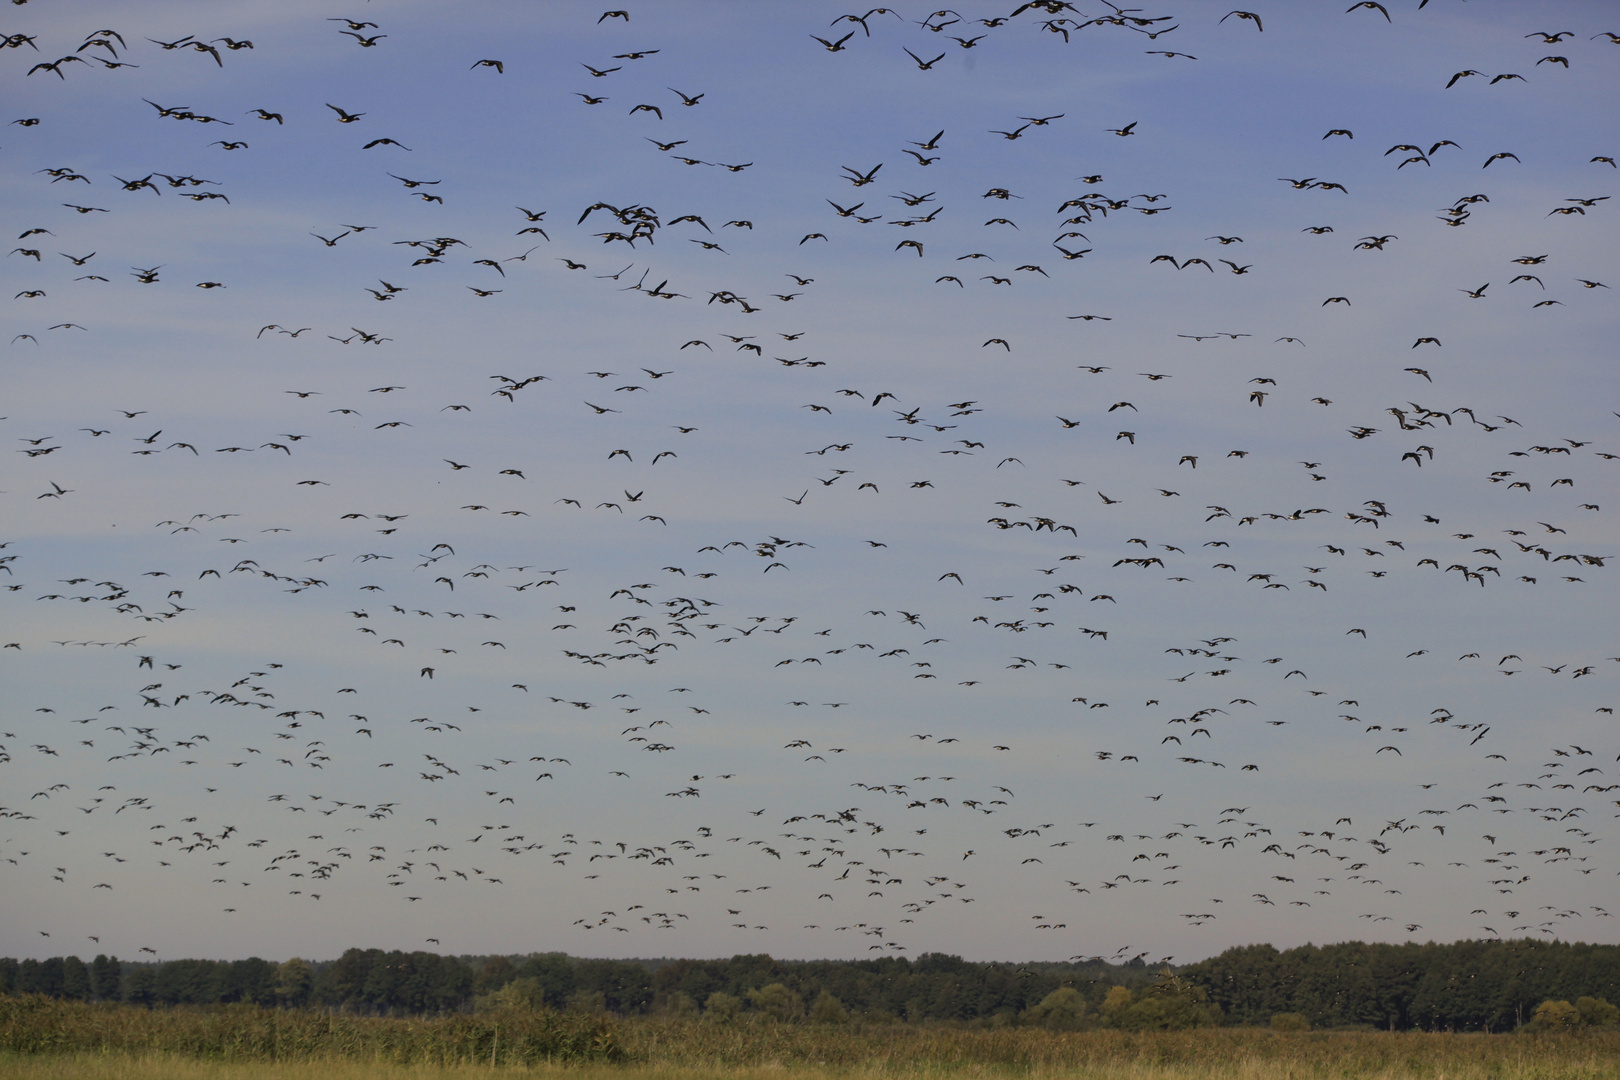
column 1149, row 517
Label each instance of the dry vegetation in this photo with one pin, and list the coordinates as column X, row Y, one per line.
column 1255, row 1054
column 49, row 1040
column 1563, row 1063
column 238, row 1033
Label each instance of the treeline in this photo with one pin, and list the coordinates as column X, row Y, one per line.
column 1463, row 986
column 1466, row 986
column 175, row 982
column 932, row 987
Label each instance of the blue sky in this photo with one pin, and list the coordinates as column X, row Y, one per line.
column 866, row 698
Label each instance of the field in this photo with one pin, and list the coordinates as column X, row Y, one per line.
column 67, row 1041
column 1330, row 1057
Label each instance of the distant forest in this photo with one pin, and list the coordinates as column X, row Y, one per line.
column 1465, row 986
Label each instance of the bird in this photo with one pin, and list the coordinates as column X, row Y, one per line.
column 1373, row 5
column 229, row 562
column 834, row 46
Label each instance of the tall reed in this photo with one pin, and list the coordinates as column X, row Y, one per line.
column 39, row 1025
column 236, row 1039
column 1227, row 1051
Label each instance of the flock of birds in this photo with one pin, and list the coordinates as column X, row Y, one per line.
column 637, row 733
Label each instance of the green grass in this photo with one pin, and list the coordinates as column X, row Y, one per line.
column 43, row 1039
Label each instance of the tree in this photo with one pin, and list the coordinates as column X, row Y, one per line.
column 554, row 974
column 104, row 977
column 520, row 995
column 496, row 973
column 587, row 1001
column 1289, row 1022
column 827, row 1009
column 48, row 977
column 777, row 1002
column 1465, row 985
column 75, row 979
column 295, row 979
column 413, row 982
column 625, row 987
column 140, row 986
column 1062, row 1009
column 1114, row 1004
column 1596, row 1012
column 343, row 983
column 1555, row 1016
column 721, row 1006
column 252, row 980
column 697, row 979
column 189, row 982
column 1168, row 1005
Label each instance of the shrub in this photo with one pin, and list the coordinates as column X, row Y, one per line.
column 1562, row 1016
column 1168, row 1005
column 1118, row 999
column 721, row 1007
column 519, row 995
column 827, row 1009
column 1555, row 1016
column 777, row 1002
column 1062, row 1009
column 587, row 1001
column 1289, row 1022
column 1596, row 1012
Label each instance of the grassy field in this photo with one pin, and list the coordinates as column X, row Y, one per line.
column 42, row 1027
column 1416, row 1061
column 41, row 1039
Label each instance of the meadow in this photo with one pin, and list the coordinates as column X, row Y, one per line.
column 125, row 1067
column 54, row 1040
